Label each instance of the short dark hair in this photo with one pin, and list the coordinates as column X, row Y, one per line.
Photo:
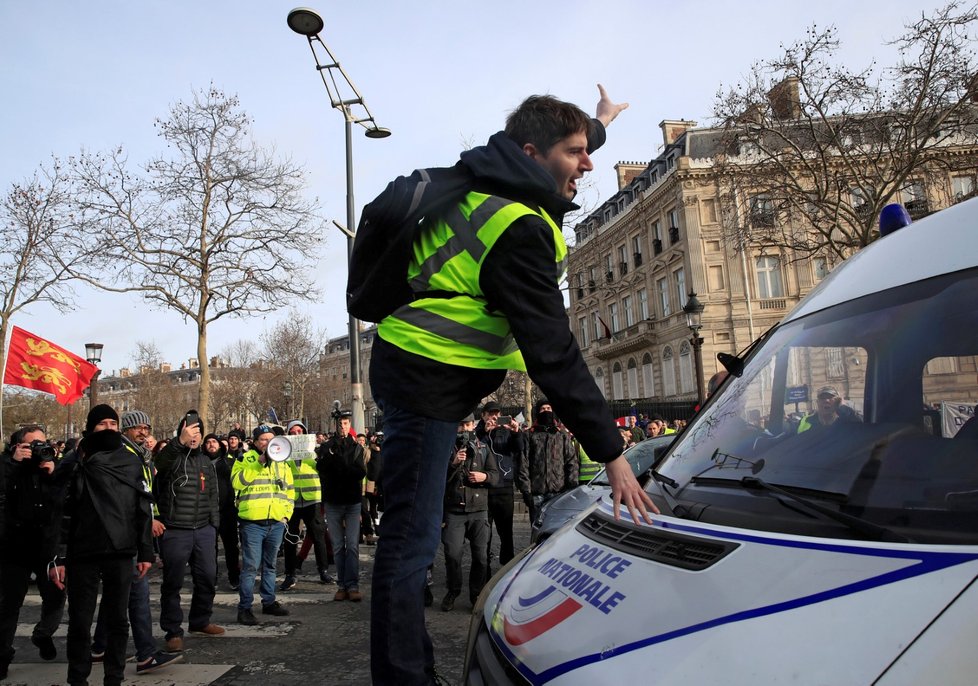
column 17, row 437
column 543, row 120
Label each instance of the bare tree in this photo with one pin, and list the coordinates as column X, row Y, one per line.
column 39, row 245
column 154, row 389
column 813, row 150
column 293, row 349
column 215, row 227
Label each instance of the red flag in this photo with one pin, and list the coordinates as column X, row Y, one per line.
column 33, row 362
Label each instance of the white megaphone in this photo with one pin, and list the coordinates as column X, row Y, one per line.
column 279, row 449
column 300, row 447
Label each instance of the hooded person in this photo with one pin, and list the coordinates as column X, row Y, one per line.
column 550, row 464
column 107, row 521
column 228, row 530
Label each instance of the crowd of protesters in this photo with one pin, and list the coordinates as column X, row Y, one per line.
column 93, row 515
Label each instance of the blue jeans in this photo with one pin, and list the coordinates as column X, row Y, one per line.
column 416, row 452
column 343, row 522
column 140, row 620
column 260, row 542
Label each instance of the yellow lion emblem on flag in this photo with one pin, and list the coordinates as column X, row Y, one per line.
column 42, row 348
column 33, row 372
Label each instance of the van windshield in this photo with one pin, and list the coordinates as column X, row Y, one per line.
column 865, row 407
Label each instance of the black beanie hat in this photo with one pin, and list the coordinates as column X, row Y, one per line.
column 97, row 414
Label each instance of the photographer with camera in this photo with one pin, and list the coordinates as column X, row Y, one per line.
column 502, row 434
column 471, row 472
column 28, row 537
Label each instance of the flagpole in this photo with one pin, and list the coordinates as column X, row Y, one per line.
column 6, row 358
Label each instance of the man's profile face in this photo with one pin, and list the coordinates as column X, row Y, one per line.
column 566, row 161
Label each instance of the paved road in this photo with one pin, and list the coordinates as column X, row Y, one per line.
column 320, row 642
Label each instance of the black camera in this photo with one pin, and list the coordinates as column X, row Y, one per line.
column 42, row 452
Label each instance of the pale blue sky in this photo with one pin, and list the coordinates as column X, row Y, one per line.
column 442, row 75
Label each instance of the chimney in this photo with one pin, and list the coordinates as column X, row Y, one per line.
column 165, row 367
column 627, row 171
column 672, row 129
column 785, row 100
column 192, row 363
column 124, row 372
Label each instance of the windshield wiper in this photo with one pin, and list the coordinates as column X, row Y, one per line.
column 865, row 527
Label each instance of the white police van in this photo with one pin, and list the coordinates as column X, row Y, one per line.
column 841, row 550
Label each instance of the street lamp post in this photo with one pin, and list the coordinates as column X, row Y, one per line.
column 694, row 319
column 93, row 353
column 308, row 23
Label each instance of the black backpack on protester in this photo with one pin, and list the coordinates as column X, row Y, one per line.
column 377, row 283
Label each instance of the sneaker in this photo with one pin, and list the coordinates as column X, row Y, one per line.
column 247, row 617
column 209, row 630
column 274, row 609
column 448, row 602
column 326, row 578
column 429, row 598
column 341, row 594
column 174, row 644
column 45, row 647
column 234, row 584
column 158, row 661
column 355, row 596
column 370, row 540
column 288, row 583
column 98, row 657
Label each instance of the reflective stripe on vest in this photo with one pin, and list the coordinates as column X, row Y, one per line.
column 588, row 468
column 448, row 256
column 308, row 487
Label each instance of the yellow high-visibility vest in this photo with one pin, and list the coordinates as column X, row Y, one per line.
column 264, row 491
column 448, row 257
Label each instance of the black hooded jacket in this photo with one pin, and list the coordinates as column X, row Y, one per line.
column 519, row 279
column 222, row 468
column 107, row 507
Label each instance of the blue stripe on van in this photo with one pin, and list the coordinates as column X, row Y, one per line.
column 928, row 562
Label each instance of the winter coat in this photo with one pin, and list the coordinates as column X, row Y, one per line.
column 462, row 496
column 187, row 489
column 107, row 509
column 341, row 468
column 549, row 464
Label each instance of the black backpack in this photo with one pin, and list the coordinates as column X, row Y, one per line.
column 377, row 284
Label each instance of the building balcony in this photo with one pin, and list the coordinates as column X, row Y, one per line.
column 635, row 337
column 773, row 304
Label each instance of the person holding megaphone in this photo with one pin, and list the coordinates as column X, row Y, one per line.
column 265, row 493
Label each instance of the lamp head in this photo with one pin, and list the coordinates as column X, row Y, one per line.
column 305, row 22
column 377, row 132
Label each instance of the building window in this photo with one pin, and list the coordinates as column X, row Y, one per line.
column 599, row 380
column 835, row 367
column 626, row 306
column 673, row 226
column 685, row 368
column 962, row 187
column 714, row 273
column 609, row 273
column 762, row 210
column 598, row 329
column 615, row 320
column 680, row 276
column 632, row 379
column 915, row 199
column 582, row 331
column 663, row 285
column 656, row 237
column 643, row 303
column 622, row 260
column 769, row 281
column 637, row 250
column 820, row 266
column 668, row 373
column 617, row 383
column 648, row 376
column 592, row 279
